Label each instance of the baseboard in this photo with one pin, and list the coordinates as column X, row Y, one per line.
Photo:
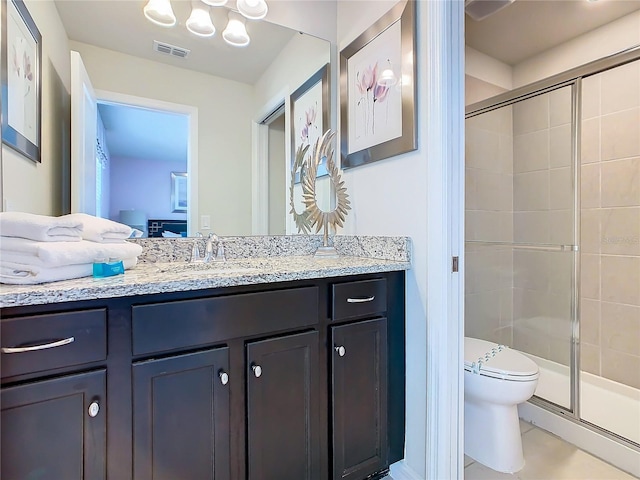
column 400, row 471
column 619, row 455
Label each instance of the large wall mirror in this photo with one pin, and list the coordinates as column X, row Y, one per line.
column 161, row 112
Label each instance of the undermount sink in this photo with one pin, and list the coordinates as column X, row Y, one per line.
column 206, row 268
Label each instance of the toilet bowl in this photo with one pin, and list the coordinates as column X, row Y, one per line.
column 496, row 379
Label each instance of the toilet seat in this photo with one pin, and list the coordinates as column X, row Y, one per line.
column 498, row 361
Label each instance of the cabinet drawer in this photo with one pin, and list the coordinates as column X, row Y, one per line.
column 189, row 323
column 46, row 342
column 357, row 299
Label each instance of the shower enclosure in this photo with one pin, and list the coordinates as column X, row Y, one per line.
column 553, row 237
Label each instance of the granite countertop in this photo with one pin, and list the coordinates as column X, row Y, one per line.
column 163, row 277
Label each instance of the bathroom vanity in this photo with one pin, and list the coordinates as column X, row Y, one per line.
column 289, row 368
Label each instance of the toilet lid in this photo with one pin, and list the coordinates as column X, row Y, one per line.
column 498, row 361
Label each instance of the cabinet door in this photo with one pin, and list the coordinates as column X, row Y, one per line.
column 359, row 399
column 55, row 429
column 283, row 408
column 181, row 417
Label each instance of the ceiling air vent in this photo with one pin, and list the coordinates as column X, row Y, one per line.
column 169, row 49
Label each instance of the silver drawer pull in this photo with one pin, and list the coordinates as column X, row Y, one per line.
column 34, row 348
column 361, row 300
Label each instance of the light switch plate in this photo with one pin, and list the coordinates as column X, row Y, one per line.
column 205, row 222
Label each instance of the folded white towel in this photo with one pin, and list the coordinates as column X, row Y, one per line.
column 100, row 230
column 57, row 254
column 18, row 274
column 40, row 227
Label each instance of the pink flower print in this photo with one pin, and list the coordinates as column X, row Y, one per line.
column 371, row 94
column 368, row 79
column 380, row 93
column 14, row 61
column 310, row 118
column 28, row 73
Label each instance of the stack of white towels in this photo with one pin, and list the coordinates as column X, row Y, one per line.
column 38, row 248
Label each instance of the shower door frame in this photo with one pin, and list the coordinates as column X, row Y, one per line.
column 571, row 78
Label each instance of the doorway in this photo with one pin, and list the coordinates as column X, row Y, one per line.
column 143, row 161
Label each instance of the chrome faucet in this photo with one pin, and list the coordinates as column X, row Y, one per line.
column 208, row 250
column 211, row 254
column 219, row 256
column 195, row 249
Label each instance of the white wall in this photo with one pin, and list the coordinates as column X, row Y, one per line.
column 607, row 40
column 40, row 187
column 488, row 69
column 315, row 17
column 224, row 126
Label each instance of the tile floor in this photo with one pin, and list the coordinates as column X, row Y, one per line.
column 547, row 457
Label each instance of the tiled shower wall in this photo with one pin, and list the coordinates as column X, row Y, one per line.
column 610, row 218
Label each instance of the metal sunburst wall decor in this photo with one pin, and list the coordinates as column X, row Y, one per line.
column 319, row 219
column 299, row 165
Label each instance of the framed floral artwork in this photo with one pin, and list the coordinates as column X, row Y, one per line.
column 310, row 114
column 21, row 80
column 378, row 91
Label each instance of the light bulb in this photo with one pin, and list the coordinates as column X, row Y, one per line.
column 236, row 33
column 199, row 22
column 160, row 13
column 253, row 9
column 215, row 3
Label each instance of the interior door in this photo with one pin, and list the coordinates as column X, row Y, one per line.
column 84, row 118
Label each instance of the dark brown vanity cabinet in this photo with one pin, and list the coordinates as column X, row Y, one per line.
column 300, row 380
column 181, row 417
column 359, row 399
column 283, row 408
column 359, row 379
column 53, row 424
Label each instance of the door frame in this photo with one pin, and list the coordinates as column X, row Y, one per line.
column 106, row 96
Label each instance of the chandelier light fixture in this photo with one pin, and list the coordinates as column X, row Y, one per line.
column 199, row 22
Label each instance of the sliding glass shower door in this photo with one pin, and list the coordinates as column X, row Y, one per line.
column 520, row 212
column 553, row 237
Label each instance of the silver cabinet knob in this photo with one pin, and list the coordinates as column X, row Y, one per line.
column 94, row 408
column 341, row 350
column 224, row 377
column 257, row 370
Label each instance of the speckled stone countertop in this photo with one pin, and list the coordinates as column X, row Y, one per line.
column 250, row 260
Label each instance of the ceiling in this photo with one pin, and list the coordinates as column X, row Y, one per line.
column 120, row 25
column 134, row 132
column 528, row 27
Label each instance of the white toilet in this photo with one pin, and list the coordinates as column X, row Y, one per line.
column 496, row 380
